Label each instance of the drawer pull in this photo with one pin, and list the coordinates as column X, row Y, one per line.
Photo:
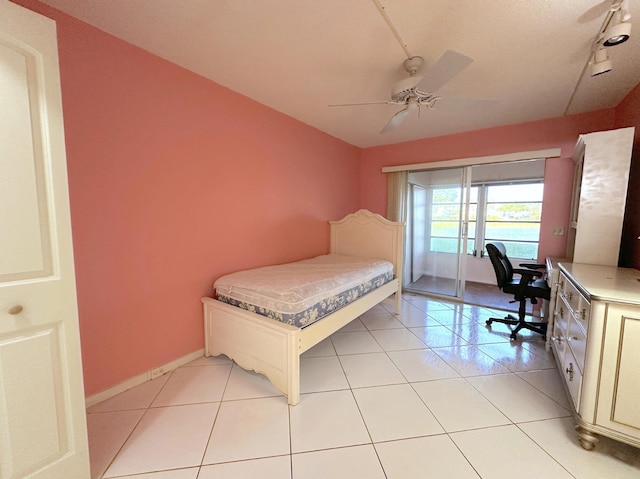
column 583, row 314
column 561, row 312
column 570, row 296
column 15, row 309
column 569, row 371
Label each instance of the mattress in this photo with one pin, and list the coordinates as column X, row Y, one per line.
column 305, row 291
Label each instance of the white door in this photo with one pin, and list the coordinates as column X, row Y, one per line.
column 42, row 416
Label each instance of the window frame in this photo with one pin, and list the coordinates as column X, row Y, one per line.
column 482, row 206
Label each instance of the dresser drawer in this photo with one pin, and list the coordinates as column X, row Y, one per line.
column 583, row 313
column 558, row 338
column 562, row 316
column 577, row 341
column 571, row 294
column 573, row 377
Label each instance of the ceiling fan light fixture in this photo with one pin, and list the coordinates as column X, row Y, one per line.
column 601, row 62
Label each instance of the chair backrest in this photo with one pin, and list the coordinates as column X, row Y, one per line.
column 501, row 264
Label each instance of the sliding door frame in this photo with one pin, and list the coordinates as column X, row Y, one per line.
column 467, row 163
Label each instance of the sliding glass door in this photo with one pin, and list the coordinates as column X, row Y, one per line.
column 453, row 213
column 439, row 220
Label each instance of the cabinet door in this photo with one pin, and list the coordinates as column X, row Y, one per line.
column 620, row 387
column 606, row 162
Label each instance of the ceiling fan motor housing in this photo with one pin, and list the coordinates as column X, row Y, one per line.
column 405, row 88
column 413, row 64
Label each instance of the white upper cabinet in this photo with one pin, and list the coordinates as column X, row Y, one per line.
column 599, row 195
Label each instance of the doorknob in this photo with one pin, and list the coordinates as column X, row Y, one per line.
column 15, row 309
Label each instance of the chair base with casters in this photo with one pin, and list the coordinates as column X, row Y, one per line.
column 538, row 327
column 528, row 287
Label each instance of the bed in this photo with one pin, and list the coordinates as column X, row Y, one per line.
column 272, row 345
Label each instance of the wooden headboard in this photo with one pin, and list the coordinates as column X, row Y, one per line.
column 369, row 235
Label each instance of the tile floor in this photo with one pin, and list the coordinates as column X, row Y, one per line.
column 431, row 393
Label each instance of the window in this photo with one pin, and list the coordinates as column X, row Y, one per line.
column 512, row 216
column 509, row 213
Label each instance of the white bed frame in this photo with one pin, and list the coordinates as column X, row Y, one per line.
column 273, row 348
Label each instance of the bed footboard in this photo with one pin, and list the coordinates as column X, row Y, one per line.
column 271, row 347
column 255, row 343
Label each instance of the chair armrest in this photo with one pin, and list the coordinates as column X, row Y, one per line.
column 533, row 266
column 528, row 273
column 526, row 277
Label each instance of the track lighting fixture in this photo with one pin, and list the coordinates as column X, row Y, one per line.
column 617, row 34
column 615, row 30
column 609, row 34
column 601, row 63
column 619, row 30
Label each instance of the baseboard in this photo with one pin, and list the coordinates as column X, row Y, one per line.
column 142, row 378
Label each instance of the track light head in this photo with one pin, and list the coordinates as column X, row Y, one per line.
column 615, row 29
column 601, row 63
column 617, row 34
column 619, row 29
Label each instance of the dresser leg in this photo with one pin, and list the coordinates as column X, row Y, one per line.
column 588, row 440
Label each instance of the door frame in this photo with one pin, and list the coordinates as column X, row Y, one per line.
column 466, row 162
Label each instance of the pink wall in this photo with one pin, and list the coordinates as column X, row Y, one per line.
column 628, row 114
column 553, row 133
column 175, row 180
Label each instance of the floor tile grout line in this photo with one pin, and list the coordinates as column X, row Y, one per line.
column 387, row 441
column 464, row 455
column 407, row 382
column 536, row 387
column 208, row 442
column 125, row 476
column 496, row 406
column 146, row 411
column 553, row 458
column 290, row 438
column 361, row 414
column 215, row 418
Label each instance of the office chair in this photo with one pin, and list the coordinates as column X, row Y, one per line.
column 528, row 286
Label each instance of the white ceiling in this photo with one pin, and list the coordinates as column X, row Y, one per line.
column 299, row 56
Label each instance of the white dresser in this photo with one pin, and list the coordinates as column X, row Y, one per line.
column 596, row 342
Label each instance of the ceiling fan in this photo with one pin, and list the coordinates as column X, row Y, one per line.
column 417, row 91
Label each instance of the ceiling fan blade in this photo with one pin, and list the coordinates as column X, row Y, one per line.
column 396, row 120
column 448, row 66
